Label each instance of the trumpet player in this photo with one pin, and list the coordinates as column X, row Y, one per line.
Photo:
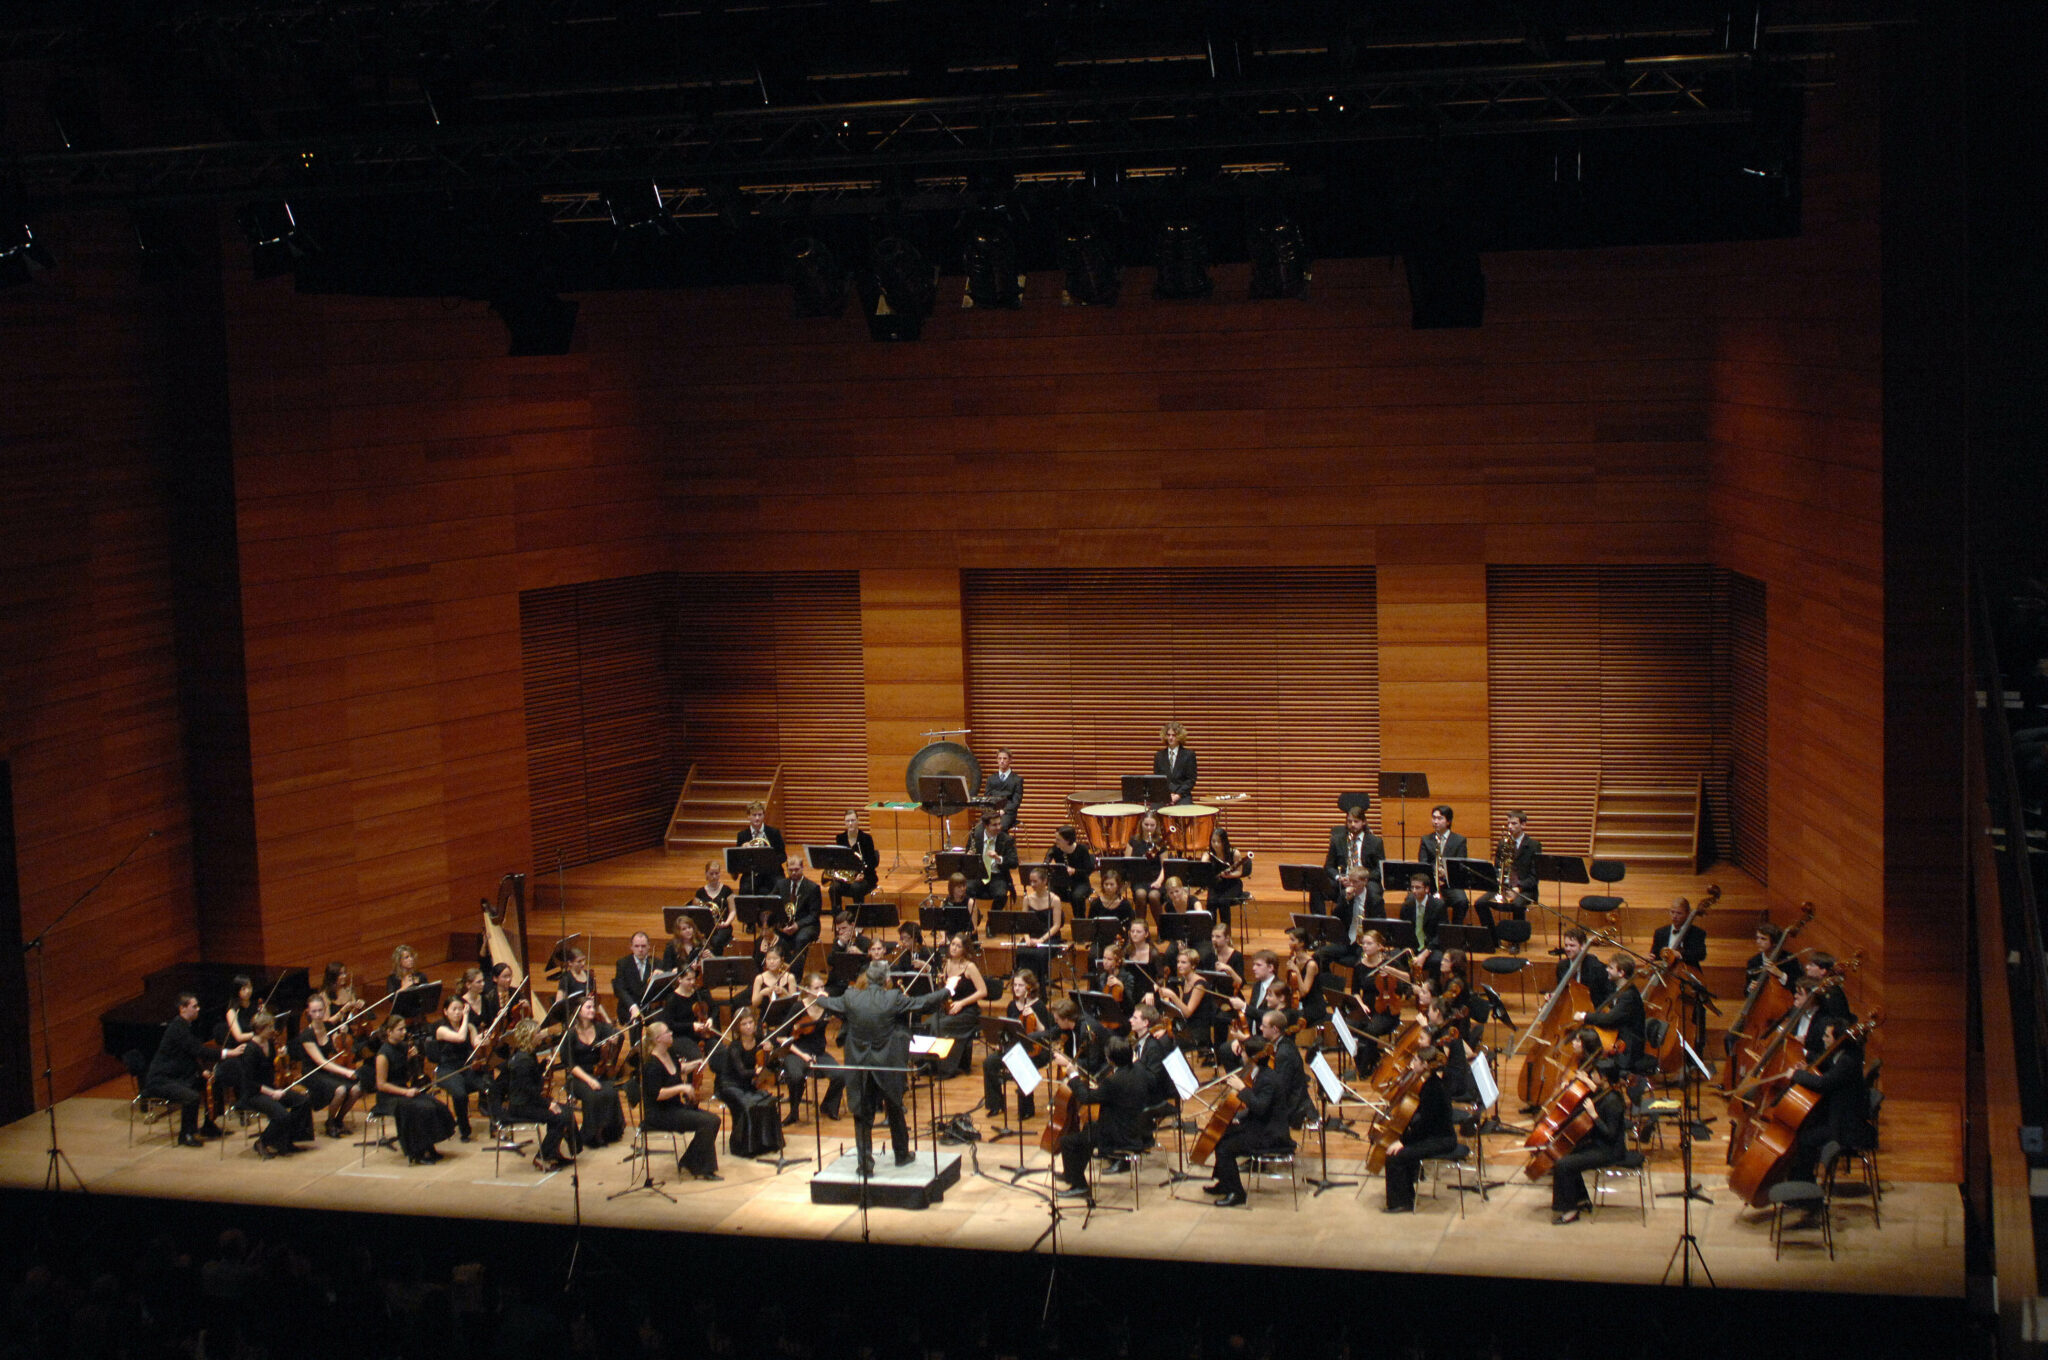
column 859, row 841
column 1438, row 849
column 1353, row 845
column 753, row 835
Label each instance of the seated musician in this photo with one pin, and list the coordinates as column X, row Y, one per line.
column 1430, row 1132
column 1353, row 846
column 807, row 1044
column 1304, row 975
column 690, row 1013
column 847, row 939
column 684, row 948
column 1149, row 1047
column 1355, row 901
column 1422, row 915
column 1233, row 868
column 1692, row 949
column 287, row 1111
column 992, row 852
column 330, row 1081
column 1622, row 1012
column 504, row 990
column 1443, row 844
column 633, row 977
column 1520, row 889
column 1382, row 1002
column 1185, row 998
column 1110, row 898
column 1142, row 962
column 673, row 1063
column 1180, row 898
column 1024, row 1005
column 422, row 1120
column 717, row 894
column 592, row 1045
column 455, row 1042
column 1266, row 987
column 1035, row 954
column 1843, row 1112
column 1602, row 1145
column 572, row 984
column 741, row 1071
column 1222, row 956
column 863, row 844
column 1276, row 1087
column 757, row 833
column 1592, row 972
column 1766, row 937
column 1119, row 1100
column 175, row 1073
column 527, row 1102
column 408, row 987
column 959, row 1017
column 1829, row 999
column 1072, row 864
column 1150, row 845
column 802, row 913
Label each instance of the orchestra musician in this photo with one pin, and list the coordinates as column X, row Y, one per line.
column 176, row 1072
column 1119, row 1099
column 684, row 949
column 1842, row 1114
column 632, row 978
column 1440, row 846
column 422, row 1120
column 1602, row 1145
column 1072, row 863
column 1523, row 849
column 287, row 1113
column 1233, row 868
column 1186, row 998
column 503, row 992
column 755, row 1128
column 1007, row 787
column 1302, row 972
column 1276, row 1087
column 527, row 1102
column 1176, row 762
column 1592, row 973
column 1622, row 1012
column 1353, row 845
column 1224, row 957
column 1149, row 844
column 1431, row 1132
column 1355, row 901
column 408, row 987
column 718, row 895
column 1141, row 961
column 673, row 1062
column 862, row 844
column 573, row 983
column 339, row 987
column 877, row 1045
column 330, row 1082
column 803, row 911
column 847, row 939
column 773, row 998
column 1766, row 937
column 475, row 992
column 455, row 1043
column 1110, row 898
column 1692, row 949
column 959, row 1019
column 1035, row 954
column 757, row 833
column 992, row 852
column 1149, row 1048
column 690, row 1015
column 591, row 1044
column 1024, row 1005
column 241, row 1013
column 1829, row 1000
column 1422, row 919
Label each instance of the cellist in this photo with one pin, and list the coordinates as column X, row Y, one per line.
column 1602, row 1145
column 1430, row 1131
column 1269, row 1101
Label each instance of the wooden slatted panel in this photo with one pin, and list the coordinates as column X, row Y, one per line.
column 554, row 723
column 1749, row 785
column 1543, row 699
column 820, row 732
column 1656, row 676
column 1274, row 672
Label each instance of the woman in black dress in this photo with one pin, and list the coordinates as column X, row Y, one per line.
column 407, row 987
column 330, row 1082
column 755, row 1129
column 527, row 1102
column 671, row 1086
column 287, row 1112
column 422, row 1120
column 593, row 1044
column 960, row 1018
column 1233, row 868
column 455, row 1043
column 1109, row 898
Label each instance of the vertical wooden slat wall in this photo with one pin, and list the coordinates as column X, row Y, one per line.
column 1274, row 672
column 1749, row 784
column 1543, row 699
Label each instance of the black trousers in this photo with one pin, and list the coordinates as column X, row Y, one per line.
column 1568, row 1179
column 288, row 1118
column 870, row 1097
column 1404, row 1168
column 1805, row 1158
column 460, row 1085
column 993, row 1074
column 842, row 893
column 1075, row 1146
column 555, row 1125
column 700, row 1155
column 188, row 1099
column 1233, row 1145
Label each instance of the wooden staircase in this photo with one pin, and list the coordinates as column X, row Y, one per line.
column 1657, row 827
column 713, row 807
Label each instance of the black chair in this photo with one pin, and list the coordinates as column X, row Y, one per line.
column 1609, row 872
column 1513, row 933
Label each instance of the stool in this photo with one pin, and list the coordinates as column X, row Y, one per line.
column 1275, row 1164
column 1804, row 1195
column 1457, row 1160
column 1631, row 1164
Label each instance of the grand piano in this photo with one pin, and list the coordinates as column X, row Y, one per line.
column 139, row 1023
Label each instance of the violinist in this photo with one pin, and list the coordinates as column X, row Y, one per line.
column 671, row 1084
column 339, row 987
column 1266, row 988
column 407, row 986
column 633, row 977
column 1843, row 1112
column 1141, row 962
column 287, row 1112
column 1072, row 864
column 773, row 983
column 1119, row 1100
column 1692, row 948
column 1302, row 972
column 717, row 894
column 959, row 1018
column 912, row 954
column 1592, row 972
column 1270, row 1097
column 1050, row 911
column 803, row 910
column 862, row 844
column 684, row 949
column 807, row 1046
column 330, row 1082
column 1431, row 1131
column 1602, row 1145
column 455, row 1042
column 502, row 994
column 740, row 1065
column 402, row 1094
column 475, row 992
column 1180, row 898
column 241, row 1014
column 1422, row 918
column 1186, row 999
column 175, row 1073
column 527, row 1102
column 1377, row 976
column 689, row 1012
column 1110, row 977
column 1622, row 1012
column 846, row 937
column 1233, row 868
column 1110, row 898
column 1451, row 1030
column 592, row 1045
column 1024, row 1005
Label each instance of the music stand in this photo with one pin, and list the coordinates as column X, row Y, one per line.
column 750, row 908
column 942, row 796
column 1560, row 869
column 949, row 862
column 1306, row 879
column 1395, row 873
column 1193, row 927
column 841, row 969
column 1130, row 868
column 951, row 919
column 1321, row 929
column 833, row 858
column 876, row 914
column 1101, row 1007
column 732, row 973
column 1095, row 931
column 753, row 863
column 1403, row 784
column 701, row 917
column 1018, row 922
column 1150, row 789
column 1198, row 875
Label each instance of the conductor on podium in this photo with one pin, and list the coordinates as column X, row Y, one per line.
column 878, row 1048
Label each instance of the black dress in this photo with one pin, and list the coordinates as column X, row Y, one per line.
column 755, row 1126
column 526, row 1102
column 288, row 1117
column 453, row 1074
column 422, row 1120
column 962, row 1029
column 604, row 1117
column 322, row 1086
column 721, row 934
column 674, row 1114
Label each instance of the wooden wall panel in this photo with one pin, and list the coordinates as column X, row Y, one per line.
column 914, row 678
column 1432, row 622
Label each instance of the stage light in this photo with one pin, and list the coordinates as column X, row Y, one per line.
column 1446, row 287
column 988, row 250
column 1280, row 259
column 537, row 321
column 899, row 289
column 637, row 207
column 816, row 277
column 1088, row 257
column 1183, row 258
column 22, row 256
column 276, row 242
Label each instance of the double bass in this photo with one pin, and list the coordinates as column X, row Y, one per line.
column 1768, row 1156
column 1664, row 996
column 1774, row 1065
column 1550, row 1031
column 1766, row 1000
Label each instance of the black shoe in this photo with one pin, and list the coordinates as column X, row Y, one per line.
column 1072, row 1192
column 866, row 1168
column 707, row 1175
column 1213, row 1188
column 791, row 1117
column 336, row 1129
column 830, row 1112
column 464, row 1135
column 209, row 1130
column 190, row 1140
column 905, row 1158
column 1230, row 1201
column 265, row 1151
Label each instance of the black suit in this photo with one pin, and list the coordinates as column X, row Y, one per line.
column 803, row 909
column 996, row 888
column 1008, row 787
column 1179, row 771
column 1842, row 1116
column 1593, row 973
column 870, row 870
column 1454, row 847
column 1432, row 922
column 1070, row 872
column 1119, row 1124
column 1372, row 853
column 175, row 1073
column 1692, row 950
column 1268, row 1107
column 1623, row 1012
column 630, row 981
column 1430, row 1133
column 1150, row 1058
column 755, row 884
column 877, row 1036
column 1523, row 867
column 1348, row 911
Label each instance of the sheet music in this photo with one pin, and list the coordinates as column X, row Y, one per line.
column 1022, row 1071
column 1182, row 1076
column 1344, row 1034
column 1333, row 1089
column 1482, row 1076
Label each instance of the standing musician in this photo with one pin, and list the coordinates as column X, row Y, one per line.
column 422, row 1120
column 1024, row 1005
column 455, row 1043
column 591, row 1044
column 862, row 844
column 1072, row 864
column 803, row 911
column 1233, row 868
column 1422, row 919
column 992, row 853
column 1603, row 1145
column 718, row 895
column 757, row 833
column 1353, row 845
column 1006, row 786
column 671, row 1104
column 1276, row 1087
column 330, row 1082
column 964, row 989
column 527, row 1102
column 1035, row 954
column 877, row 1045
column 632, row 978
column 1119, row 1099
column 1176, row 762
column 1692, row 948
column 287, row 1112
column 1431, row 1131
column 1438, row 848
column 1622, row 1011
column 1843, row 1112
column 175, row 1073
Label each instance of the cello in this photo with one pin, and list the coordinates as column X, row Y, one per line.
column 1768, row 1156
column 1664, row 996
column 1225, row 1111
column 1569, row 1116
column 1402, row 1103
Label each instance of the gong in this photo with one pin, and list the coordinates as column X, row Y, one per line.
column 944, row 757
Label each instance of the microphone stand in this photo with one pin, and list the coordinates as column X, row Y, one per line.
column 53, row 1177
column 569, row 1028
column 645, row 1182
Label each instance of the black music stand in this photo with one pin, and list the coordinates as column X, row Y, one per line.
column 701, row 917
column 1196, row 874
column 751, row 908
column 733, row 973
column 1018, row 922
column 1150, row 789
column 998, row 1032
column 1321, row 929
column 753, row 863
column 842, row 969
column 949, row 862
column 875, row 915
column 1403, row 784
column 1100, row 1007
column 1560, row 869
column 1095, row 931
column 944, row 796
column 832, row 858
column 1130, row 868
column 1190, row 927
column 951, row 919
column 1306, row 879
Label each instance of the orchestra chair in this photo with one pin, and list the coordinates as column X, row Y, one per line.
column 1603, row 910
column 1834, row 1157
column 1512, row 931
column 1806, row 1196
column 1458, row 1161
column 380, row 1128
column 1511, row 965
column 505, row 1138
column 149, row 1108
column 1609, row 872
column 1631, row 1166
column 1272, row 1166
column 1103, row 1162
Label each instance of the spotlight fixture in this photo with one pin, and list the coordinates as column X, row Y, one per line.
column 988, row 249
column 1088, row 257
column 637, row 207
column 22, row 256
column 1280, row 260
column 276, row 243
column 1183, row 256
column 537, row 321
column 815, row 276
column 899, row 289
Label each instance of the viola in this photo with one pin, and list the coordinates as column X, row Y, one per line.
column 1059, row 1115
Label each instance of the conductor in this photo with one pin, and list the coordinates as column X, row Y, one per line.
column 877, row 1040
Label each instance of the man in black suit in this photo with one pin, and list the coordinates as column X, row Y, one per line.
column 1843, row 1114
column 1522, row 860
column 803, row 910
column 1149, row 1048
column 1007, row 785
column 1442, row 843
column 1422, row 916
column 1592, row 972
column 176, row 1072
column 1691, row 947
column 876, row 1037
column 1176, row 762
column 758, row 832
column 992, row 854
column 1119, row 1100
column 1269, row 1102
column 1622, row 1012
column 631, row 978
column 1353, row 843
